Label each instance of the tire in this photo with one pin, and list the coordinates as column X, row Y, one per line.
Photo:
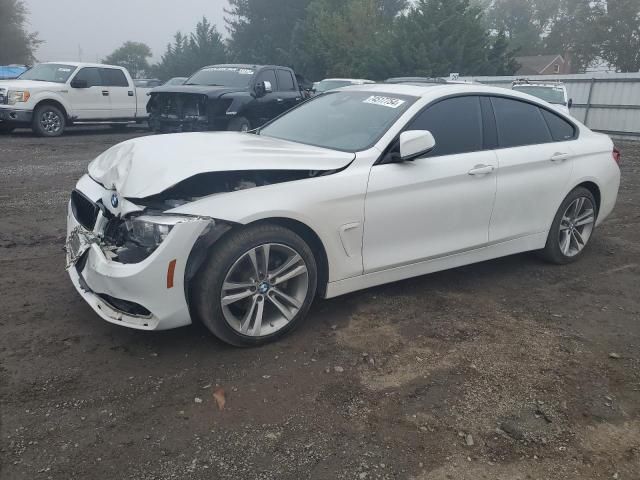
column 574, row 227
column 235, row 323
column 239, row 124
column 6, row 129
column 48, row 121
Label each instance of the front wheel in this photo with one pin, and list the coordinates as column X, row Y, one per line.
column 48, row 121
column 572, row 227
column 256, row 286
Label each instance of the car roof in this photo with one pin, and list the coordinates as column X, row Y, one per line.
column 439, row 90
column 244, row 65
column 83, row 64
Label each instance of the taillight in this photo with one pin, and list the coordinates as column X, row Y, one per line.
column 617, row 156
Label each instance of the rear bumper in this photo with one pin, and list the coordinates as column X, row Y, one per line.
column 11, row 116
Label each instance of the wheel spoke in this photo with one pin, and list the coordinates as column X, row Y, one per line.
column 237, row 285
column 585, row 218
column 246, row 321
column 254, row 263
column 257, row 322
column 565, row 224
column 578, row 207
column 265, row 259
column 578, row 239
column 236, row 297
column 294, row 302
column 288, row 314
column 565, row 243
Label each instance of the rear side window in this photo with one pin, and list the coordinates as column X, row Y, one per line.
column 519, row 123
column 456, row 125
column 561, row 130
column 113, row 77
column 90, row 75
column 267, row 76
column 285, row 81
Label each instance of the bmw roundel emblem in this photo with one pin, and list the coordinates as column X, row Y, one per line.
column 114, row 200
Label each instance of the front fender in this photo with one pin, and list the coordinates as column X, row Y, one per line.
column 59, row 97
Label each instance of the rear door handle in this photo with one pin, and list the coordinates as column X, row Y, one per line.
column 481, row 170
column 559, row 157
column 280, row 100
column 105, row 93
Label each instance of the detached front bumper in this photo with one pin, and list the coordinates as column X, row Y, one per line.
column 11, row 116
column 149, row 295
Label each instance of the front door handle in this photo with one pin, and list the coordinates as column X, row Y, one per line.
column 105, row 93
column 559, row 157
column 481, row 170
column 280, row 100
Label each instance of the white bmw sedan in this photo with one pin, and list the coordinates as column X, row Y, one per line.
column 354, row 188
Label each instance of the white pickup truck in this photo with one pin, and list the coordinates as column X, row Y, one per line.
column 51, row 96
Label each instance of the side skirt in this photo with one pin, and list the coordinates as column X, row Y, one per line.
column 510, row 247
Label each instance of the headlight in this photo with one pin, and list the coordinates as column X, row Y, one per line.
column 150, row 231
column 18, row 96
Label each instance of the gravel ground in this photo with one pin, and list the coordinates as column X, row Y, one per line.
column 510, row 369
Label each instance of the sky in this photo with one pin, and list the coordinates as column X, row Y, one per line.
column 94, row 28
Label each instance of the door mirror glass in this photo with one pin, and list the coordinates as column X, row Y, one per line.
column 76, row 83
column 262, row 88
column 415, row 143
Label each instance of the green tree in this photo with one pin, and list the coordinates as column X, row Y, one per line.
column 187, row 54
column 17, row 45
column 621, row 46
column 132, row 56
column 347, row 38
column 437, row 37
column 265, row 31
column 576, row 31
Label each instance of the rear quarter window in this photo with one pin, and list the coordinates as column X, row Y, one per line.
column 561, row 130
column 519, row 123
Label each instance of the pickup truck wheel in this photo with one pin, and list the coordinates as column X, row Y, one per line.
column 48, row 121
column 239, row 124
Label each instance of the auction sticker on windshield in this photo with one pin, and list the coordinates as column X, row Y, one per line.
column 384, row 101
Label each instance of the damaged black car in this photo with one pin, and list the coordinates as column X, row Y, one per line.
column 224, row 97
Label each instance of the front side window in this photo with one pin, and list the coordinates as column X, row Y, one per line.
column 221, row 76
column 519, row 123
column 350, row 121
column 455, row 123
column 90, row 75
column 49, row 72
column 267, row 76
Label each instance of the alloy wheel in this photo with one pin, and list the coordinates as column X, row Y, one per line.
column 264, row 290
column 50, row 121
column 576, row 226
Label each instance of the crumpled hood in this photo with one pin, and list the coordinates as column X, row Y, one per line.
column 211, row 92
column 147, row 166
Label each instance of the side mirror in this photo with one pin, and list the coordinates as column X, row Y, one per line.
column 75, row 83
column 263, row 88
column 570, row 104
column 415, row 143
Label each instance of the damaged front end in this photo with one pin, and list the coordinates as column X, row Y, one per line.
column 186, row 112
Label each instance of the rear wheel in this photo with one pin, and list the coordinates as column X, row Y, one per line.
column 572, row 227
column 257, row 286
column 239, row 124
column 48, row 121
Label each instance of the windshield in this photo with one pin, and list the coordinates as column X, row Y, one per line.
column 222, row 76
column 549, row 94
column 49, row 72
column 347, row 121
column 325, row 85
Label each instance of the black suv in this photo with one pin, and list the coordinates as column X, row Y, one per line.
column 224, row 97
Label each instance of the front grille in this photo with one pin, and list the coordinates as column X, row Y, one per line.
column 4, row 97
column 84, row 210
